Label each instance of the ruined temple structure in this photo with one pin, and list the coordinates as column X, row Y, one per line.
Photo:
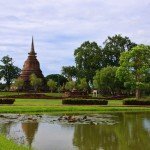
column 31, row 66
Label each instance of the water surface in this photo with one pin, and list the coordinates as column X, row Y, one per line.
column 122, row 131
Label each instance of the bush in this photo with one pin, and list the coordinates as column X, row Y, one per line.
column 134, row 101
column 84, row 102
column 7, row 100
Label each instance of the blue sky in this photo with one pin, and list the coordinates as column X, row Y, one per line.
column 60, row 26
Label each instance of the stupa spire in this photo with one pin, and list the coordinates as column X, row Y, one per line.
column 32, row 47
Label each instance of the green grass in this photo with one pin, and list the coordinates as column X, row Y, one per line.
column 7, row 144
column 36, row 102
column 15, row 93
column 8, row 93
column 54, row 94
column 55, row 106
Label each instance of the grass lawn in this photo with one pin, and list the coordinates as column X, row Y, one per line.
column 15, row 93
column 6, row 144
column 9, row 93
column 55, row 106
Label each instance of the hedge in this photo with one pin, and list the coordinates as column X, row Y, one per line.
column 84, row 102
column 136, row 102
column 7, row 100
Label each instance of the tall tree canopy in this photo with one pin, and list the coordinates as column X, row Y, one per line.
column 69, row 72
column 135, row 67
column 35, row 82
column 59, row 79
column 70, row 85
column 52, row 84
column 82, row 85
column 88, row 58
column 19, row 84
column 106, row 81
column 8, row 71
column 113, row 47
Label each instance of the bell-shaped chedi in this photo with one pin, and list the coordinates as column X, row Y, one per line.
column 31, row 66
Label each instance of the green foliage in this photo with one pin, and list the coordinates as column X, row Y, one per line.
column 82, row 85
column 59, row 79
column 136, row 102
column 135, row 68
column 19, row 83
column 106, row 80
column 70, row 85
column 55, row 106
column 8, row 71
column 7, row 100
column 8, row 144
column 69, row 72
column 35, row 82
column 113, row 47
column 88, row 58
column 84, row 102
column 52, row 84
column 2, row 87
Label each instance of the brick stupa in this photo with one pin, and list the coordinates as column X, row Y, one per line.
column 31, row 66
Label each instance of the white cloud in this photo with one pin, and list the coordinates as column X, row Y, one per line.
column 61, row 26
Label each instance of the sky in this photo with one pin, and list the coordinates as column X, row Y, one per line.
column 61, row 26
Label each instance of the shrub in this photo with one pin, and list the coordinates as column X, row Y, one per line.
column 84, row 102
column 7, row 100
column 136, row 102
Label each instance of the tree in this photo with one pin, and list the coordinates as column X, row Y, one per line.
column 69, row 72
column 106, row 81
column 8, row 71
column 70, row 85
column 52, row 84
column 113, row 47
column 19, row 84
column 2, row 86
column 35, row 82
column 135, row 67
column 88, row 58
column 59, row 79
column 83, row 84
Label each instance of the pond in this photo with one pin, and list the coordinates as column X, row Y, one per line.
column 121, row 131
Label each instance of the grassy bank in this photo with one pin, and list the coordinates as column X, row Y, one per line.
column 6, row 144
column 53, row 106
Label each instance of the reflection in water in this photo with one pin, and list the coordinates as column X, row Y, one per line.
column 131, row 133
column 5, row 128
column 30, row 129
column 94, row 137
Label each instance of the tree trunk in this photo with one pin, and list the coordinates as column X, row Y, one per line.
column 138, row 93
column 18, row 91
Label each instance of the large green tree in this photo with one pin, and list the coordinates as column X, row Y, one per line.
column 113, row 47
column 52, row 84
column 59, row 79
column 70, row 85
column 8, row 71
column 88, row 59
column 106, row 81
column 82, row 85
column 35, row 82
column 19, row 84
column 135, row 68
column 69, row 72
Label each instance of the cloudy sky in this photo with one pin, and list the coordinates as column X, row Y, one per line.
column 60, row 26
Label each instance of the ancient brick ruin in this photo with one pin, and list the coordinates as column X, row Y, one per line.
column 31, row 66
